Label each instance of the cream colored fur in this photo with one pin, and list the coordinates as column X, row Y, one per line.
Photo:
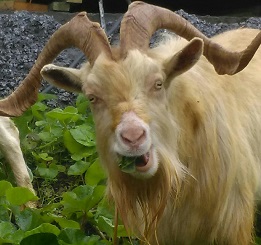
column 219, row 142
column 206, row 130
column 10, row 147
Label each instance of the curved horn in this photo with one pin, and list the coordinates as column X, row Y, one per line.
column 79, row 32
column 142, row 20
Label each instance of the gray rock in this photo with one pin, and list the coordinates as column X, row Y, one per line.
column 23, row 35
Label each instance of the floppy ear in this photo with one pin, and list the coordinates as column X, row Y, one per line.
column 184, row 59
column 62, row 77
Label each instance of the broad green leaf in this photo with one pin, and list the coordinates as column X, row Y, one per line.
column 72, row 236
column 86, row 152
column 77, row 156
column 49, row 172
column 43, row 238
column 9, row 234
column 82, row 103
column 82, row 107
column 44, row 228
column 56, row 131
column 46, row 136
column 45, row 156
column 39, row 106
column 6, row 228
column 41, row 123
column 96, row 197
column 5, row 204
column 105, row 225
column 71, row 203
column 66, row 223
column 71, row 109
column 84, row 134
column 61, row 168
column 83, row 191
column 15, row 237
column 95, row 173
column 71, row 144
column 20, row 196
column 81, row 98
column 4, row 186
column 22, row 123
column 62, row 115
column 76, row 200
column 29, row 219
column 106, row 211
column 43, row 96
column 37, row 110
column 78, row 168
column 121, row 231
column 4, row 213
column 77, row 237
column 82, row 198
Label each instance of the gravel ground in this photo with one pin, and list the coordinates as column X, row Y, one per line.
column 23, row 35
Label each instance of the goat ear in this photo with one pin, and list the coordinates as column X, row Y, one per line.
column 62, row 77
column 184, row 59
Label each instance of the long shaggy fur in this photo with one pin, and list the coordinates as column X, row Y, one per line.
column 209, row 144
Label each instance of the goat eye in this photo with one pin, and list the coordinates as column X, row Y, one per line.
column 92, row 98
column 158, row 84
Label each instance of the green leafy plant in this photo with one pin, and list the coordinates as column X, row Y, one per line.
column 59, row 148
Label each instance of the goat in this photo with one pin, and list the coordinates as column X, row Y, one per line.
column 10, row 148
column 185, row 116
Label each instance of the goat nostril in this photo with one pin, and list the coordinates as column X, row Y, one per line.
column 127, row 142
column 133, row 136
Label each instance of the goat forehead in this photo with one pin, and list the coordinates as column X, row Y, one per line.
column 127, row 73
column 112, row 80
column 138, row 63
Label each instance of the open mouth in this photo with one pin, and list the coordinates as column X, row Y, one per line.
column 136, row 163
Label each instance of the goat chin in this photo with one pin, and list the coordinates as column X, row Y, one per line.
column 141, row 198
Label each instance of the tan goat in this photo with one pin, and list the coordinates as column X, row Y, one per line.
column 191, row 137
column 10, row 148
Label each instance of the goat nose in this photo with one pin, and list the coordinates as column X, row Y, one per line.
column 133, row 135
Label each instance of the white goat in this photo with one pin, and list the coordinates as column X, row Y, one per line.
column 10, row 147
column 191, row 138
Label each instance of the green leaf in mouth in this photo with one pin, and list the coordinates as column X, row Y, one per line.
column 127, row 164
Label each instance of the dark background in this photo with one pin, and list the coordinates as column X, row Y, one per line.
column 199, row 7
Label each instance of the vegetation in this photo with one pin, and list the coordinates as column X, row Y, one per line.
column 59, row 148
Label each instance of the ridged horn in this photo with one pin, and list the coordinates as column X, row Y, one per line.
column 142, row 20
column 79, row 32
